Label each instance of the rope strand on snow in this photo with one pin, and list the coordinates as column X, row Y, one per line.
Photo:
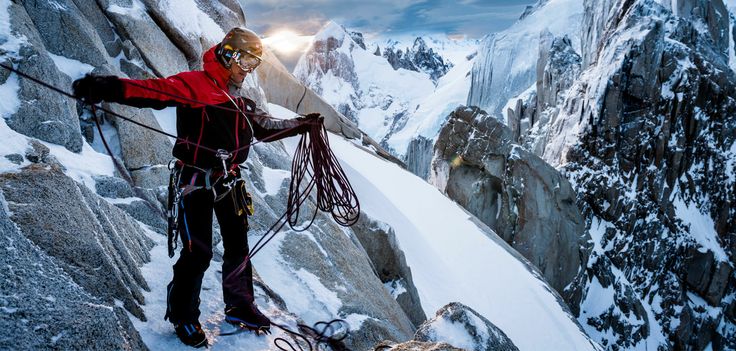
column 326, row 335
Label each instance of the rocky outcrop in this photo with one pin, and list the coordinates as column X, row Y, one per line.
column 419, row 58
column 418, row 158
column 51, row 118
column 529, row 118
column 112, row 244
column 379, row 242
column 45, row 306
column 524, row 200
column 455, row 327
column 461, row 326
column 646, row 136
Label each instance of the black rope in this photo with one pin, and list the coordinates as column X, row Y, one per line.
column 322, row 333
column 301, row 99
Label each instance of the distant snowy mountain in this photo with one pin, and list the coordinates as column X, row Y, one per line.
column 360, row 85
column 395, row 106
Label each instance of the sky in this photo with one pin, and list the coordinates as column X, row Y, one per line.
column 380, row 18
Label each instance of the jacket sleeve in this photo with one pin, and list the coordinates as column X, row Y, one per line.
column 271, row 129
column 157, row 93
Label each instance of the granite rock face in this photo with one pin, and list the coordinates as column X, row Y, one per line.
column 132, row 20
column 46, row 116
column 524, row 200
column 646, row 136
column 98, row 245
column 47, row 307
column 379, row 242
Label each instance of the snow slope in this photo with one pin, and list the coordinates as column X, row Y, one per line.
column 452, row 258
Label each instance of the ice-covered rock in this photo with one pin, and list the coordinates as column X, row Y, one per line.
column 534, row 110
column 461, row 326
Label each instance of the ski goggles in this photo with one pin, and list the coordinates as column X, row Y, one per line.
column 244, row 59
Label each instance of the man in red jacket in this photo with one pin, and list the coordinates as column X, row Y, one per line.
column 211, row 116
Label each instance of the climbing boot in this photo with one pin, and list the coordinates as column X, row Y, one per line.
column 191, row 334
column 248, row 317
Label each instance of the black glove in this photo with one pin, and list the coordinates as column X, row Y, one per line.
column 312, row 118
column 94, row 89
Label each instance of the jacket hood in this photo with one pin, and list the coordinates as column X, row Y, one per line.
column 214, row 68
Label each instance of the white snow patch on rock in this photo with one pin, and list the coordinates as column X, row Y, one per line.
column 72, row 68
column 702, row 228
column 186, row 16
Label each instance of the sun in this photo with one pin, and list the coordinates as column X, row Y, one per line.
column 287, row 41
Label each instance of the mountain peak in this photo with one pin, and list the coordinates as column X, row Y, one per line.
column 331, row 29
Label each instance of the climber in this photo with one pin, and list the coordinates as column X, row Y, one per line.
column 211, row 115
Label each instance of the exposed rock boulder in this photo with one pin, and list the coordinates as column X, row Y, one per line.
column 44, row 305
column 43, row 115
column 132, row 21
column 96, row 244
column 523, row 199
column 60, row 23
column 461, row 326
column 379, row 242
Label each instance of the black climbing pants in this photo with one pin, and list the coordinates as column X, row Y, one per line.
column 195, row 227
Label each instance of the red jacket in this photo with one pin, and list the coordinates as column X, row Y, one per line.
column 206, row 115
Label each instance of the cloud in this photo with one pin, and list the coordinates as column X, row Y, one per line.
column 474, row 18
